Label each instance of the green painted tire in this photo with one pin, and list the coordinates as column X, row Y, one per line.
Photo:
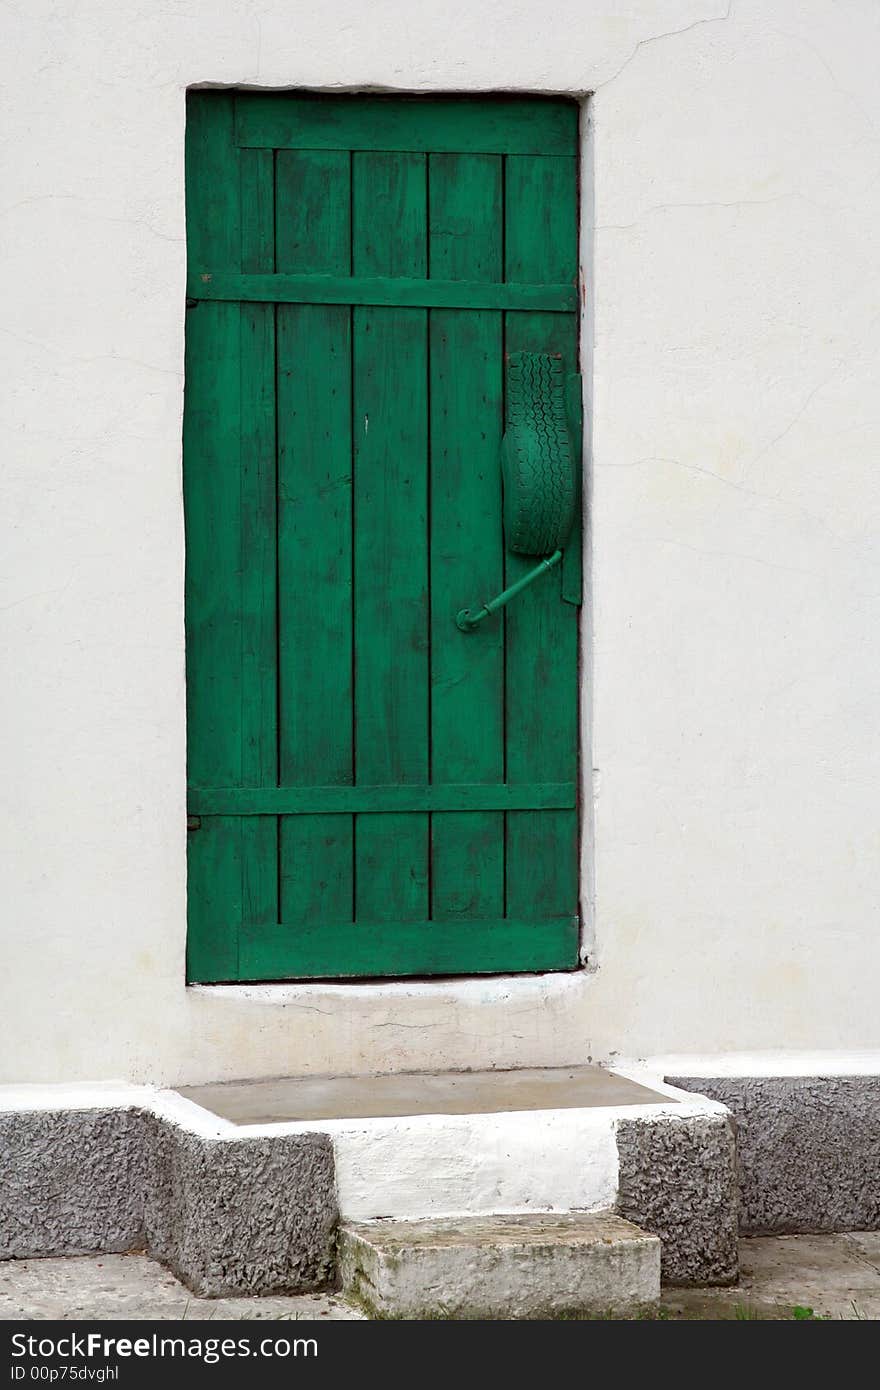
column 537, row 459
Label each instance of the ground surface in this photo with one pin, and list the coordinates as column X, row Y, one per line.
column 834, row 1276
column 131, row 1286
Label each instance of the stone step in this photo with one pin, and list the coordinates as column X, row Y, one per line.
column 500, row 1266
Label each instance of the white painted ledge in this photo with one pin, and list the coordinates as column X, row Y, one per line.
column 416, row 1166
column 488, row 989
column 729, row 1064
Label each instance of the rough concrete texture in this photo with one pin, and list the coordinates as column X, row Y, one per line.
column 133, row 1286
column 73, row 1181
column 500, row 1267
column 244, row 1215
column 678, row 1180
column 230, row 1216
column 808, row 1150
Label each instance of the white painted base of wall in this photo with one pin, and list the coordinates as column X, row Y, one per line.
column 758, row 1064
column 420, row 1166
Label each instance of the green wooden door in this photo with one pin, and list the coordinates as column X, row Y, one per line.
column 373, row 792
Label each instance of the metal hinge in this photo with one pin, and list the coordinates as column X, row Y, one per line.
column 193, row 822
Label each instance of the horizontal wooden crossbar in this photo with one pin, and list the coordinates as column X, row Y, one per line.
column 422, row 124
column 303, row 801
column 379, row 290
column 321, row 950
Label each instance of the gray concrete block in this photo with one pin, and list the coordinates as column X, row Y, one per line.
column 808, row 1150
column 229, row 1216
column 72, row 1181
column 677, row 1178
column 253, row 1216
column 500, row 1266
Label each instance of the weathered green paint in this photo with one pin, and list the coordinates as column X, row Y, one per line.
column 229, row 482
column 405, row 292
column 500, row 125
column 465, row 195
column 538, row 466
column 540, row 212
column 313, row 235
column 331, row 949
column 539, row 469
column 390, row 412
column 296, row 800
column 466, row 619
column 377, row 793
column 572, row 559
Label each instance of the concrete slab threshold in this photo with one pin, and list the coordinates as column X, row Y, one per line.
column 285, row 1099
column 501, row 1267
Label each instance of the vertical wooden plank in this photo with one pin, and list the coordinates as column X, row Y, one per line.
column 467, row 563
column 389, row 237
column 257, row 488
column 214, row 898
column 211, row 446
column 257, row 564
column 229, row 501
column 314, row 537
column 541, row 685
column 313, row 212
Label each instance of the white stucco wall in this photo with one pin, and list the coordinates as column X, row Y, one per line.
column 733, row 318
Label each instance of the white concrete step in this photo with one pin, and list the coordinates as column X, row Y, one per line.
column 500, row 1266
column 448, row 1146
column 431, row 1145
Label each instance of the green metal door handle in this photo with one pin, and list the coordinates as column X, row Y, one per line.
column 467, row 620
column 539, row 471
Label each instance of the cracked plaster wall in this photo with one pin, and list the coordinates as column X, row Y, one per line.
column 732, row 329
